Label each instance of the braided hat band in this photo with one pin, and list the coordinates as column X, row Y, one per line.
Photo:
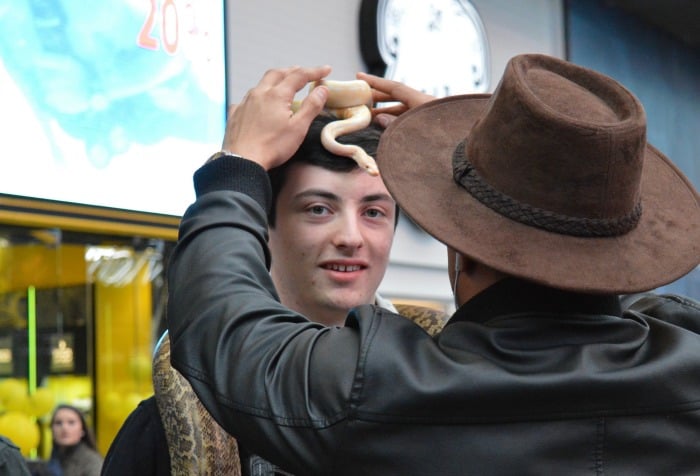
column 467, row 177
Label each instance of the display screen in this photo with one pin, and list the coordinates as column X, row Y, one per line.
column 112, row 103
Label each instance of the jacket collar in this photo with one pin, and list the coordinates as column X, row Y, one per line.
column 512, row 295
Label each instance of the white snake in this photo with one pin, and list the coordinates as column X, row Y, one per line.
column 350, row 102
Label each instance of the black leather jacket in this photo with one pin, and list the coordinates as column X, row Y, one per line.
column 523, row 380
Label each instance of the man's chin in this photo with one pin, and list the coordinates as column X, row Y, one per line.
column 345, row 303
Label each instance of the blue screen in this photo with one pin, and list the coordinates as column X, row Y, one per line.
column 112, row 103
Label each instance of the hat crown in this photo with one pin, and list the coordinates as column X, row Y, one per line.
column 549, row 179
column 562, row 139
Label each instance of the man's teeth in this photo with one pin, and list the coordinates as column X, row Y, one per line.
column 343, row 268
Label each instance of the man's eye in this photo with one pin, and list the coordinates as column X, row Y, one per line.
column 318, row 210
column 374, row 213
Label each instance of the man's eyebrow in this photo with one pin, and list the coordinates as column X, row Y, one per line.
column 321, row 193
column 378, row 197
column 317, row 192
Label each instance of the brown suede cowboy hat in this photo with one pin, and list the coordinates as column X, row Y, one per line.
column 549, row 179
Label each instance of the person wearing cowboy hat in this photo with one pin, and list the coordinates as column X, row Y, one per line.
column 551, row 204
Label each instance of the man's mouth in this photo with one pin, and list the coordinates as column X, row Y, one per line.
column 343, row 268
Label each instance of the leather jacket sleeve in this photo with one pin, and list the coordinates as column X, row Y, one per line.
column 230, row 336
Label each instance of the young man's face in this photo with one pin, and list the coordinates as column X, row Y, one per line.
column 331, row 241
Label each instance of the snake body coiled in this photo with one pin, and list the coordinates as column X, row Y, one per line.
column 349, row 102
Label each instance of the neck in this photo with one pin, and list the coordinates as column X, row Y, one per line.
column 326, row 315
column 473, row 279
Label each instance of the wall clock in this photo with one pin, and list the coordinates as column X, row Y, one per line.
column 437, row 46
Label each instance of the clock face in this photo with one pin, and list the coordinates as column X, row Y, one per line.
column 437, row 46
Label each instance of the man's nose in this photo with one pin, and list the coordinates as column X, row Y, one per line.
column 348, row 233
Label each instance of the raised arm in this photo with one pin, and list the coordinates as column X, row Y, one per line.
column 259, row 368
column 263, row 128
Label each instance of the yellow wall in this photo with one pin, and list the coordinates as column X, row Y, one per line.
column 122, row 311
column 41, row 266
column 124, row 347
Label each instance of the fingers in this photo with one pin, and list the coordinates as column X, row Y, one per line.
column 399, row 97
column 383, row 89
column 377, row 82
column 291, row 80
column 384, row 120
column 378, row 96
column 311, row 106
column 394, row 109
column 284, row 84
column 387, row 90
column 265, row 127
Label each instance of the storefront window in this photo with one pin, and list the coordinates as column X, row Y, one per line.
column 79, row 316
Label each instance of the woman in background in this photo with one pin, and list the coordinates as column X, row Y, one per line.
column 73, row 452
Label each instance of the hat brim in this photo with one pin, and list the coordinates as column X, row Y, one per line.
column 415, row 162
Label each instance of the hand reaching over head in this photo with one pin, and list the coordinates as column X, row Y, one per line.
column 387, row 90
column 263, row 128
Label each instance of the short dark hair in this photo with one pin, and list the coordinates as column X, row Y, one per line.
column 312, row 152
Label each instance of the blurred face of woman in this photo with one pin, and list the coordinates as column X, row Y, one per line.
column 67, row 427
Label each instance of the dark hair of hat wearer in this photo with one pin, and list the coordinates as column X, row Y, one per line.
column 549, row 179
